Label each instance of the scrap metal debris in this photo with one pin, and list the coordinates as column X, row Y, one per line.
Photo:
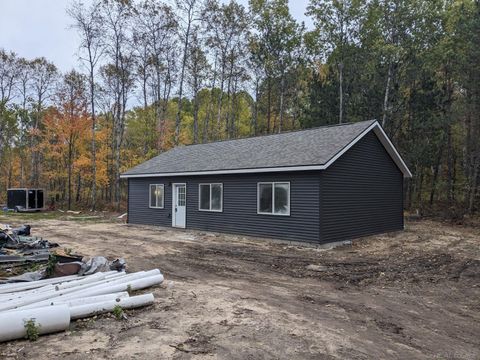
column 21, row 253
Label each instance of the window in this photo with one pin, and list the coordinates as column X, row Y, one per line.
column 181, row 195
column 210, row 197
column 156, row 196
column 273, row 198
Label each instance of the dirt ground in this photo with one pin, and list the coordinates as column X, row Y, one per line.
column 407, row 295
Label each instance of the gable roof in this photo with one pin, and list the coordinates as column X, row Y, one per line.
column 312, row 149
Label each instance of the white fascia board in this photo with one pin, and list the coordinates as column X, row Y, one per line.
column 222, row 172
column 387, row 144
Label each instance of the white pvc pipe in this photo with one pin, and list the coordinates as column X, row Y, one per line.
column 76, row 302
column 48, row 319
column 46, row 295
column 21, row 286
column 82, row 290
column 136, row 284
column 50, row 287
column 82, row 311
column 21, row 294
column 100, row 288
column 86, row 280
column 98, row 298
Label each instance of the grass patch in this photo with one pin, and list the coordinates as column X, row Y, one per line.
column 32, row 330
column 118, row 312
column 22, row 218
column 52, row 261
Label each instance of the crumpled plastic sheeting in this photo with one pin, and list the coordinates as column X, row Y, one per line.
column 101, row 264
column 118, row 264
column 95, row 264
column 23, row 230
column 25, row 277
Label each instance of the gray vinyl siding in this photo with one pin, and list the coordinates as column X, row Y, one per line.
column 361, row 193
column 239, row 214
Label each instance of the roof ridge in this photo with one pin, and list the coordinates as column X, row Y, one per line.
column 275, row 134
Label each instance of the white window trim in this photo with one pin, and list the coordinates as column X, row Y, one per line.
column 221, row 198
column 174, row 199
column 156, row 199
column 273, row 197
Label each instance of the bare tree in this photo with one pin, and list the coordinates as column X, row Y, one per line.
column 118, row 75
column 155, row 31
column 337, row 27
column 9, row 71
column 23, row 90
column 227, row 30
column 44, row 77
column 89, row 24
column 8, row 78
column 188, row 13
column 197, row 72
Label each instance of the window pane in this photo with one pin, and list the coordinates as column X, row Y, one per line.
column 152, row 196
column 205, row 197
column 216, row 197
column 281, row 198
column 159, row 194
column 265, row 198
column 181, row 196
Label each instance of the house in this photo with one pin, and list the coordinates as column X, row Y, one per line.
column 319, row 185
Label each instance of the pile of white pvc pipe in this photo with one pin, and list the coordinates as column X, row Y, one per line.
column 52, row 303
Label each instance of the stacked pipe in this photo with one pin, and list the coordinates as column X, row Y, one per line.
column 52, row 303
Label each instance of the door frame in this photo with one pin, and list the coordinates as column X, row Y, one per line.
column 174, row 199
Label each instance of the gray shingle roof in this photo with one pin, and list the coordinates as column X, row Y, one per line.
column 297, row 148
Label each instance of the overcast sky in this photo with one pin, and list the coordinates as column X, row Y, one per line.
column 34, row 28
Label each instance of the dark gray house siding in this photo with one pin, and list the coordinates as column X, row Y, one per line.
column 239, row 214
column 361, row 193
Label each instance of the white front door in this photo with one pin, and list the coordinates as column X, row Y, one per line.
column 179, row 198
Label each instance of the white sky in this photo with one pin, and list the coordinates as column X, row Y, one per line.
column 34, row 28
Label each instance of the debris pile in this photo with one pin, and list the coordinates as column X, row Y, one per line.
column 31, row 258
column 49, row 305
column 20, row 252
column 51, row 286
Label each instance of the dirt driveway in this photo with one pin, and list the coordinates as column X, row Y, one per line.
column 407, row 295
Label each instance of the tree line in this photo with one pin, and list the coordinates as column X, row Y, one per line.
column 152, row 75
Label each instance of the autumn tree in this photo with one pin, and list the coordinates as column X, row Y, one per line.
column 65, row 126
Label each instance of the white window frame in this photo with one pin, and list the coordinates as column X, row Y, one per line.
column 210, row 203
column 273, row 198
column 162, row 186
